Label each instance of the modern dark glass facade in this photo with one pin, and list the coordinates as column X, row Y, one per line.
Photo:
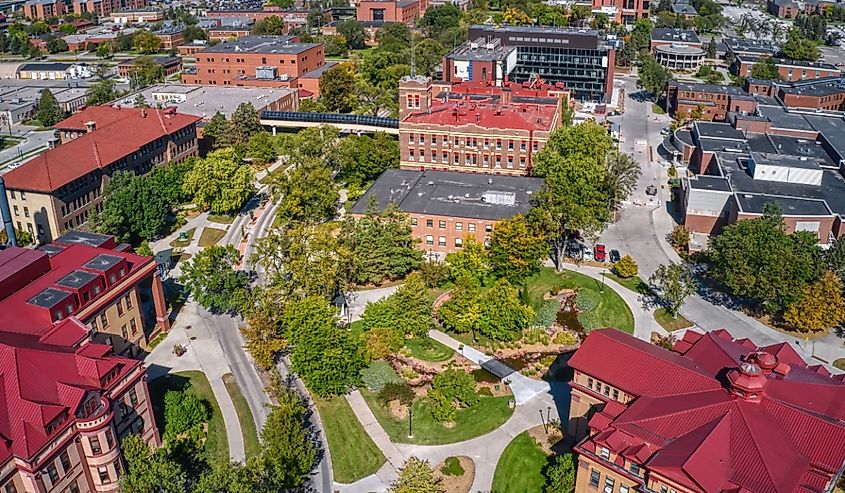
column 577, row 58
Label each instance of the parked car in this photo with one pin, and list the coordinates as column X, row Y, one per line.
column 614, row 256
column 587, row 254
column 601, row 253
column 651, row 190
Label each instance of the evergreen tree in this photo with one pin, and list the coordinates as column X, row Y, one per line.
column 49, row 111
column 245, row 123
column 218, row 131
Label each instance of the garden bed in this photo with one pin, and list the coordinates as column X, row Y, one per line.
column 456, row 474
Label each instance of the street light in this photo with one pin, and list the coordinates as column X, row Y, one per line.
column 410, row 419
column 543, row 419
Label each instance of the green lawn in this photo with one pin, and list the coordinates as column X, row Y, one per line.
column 839, row 363
column 489, row 414
column 669, row 322
column 635, row 284
column 354, row 455
column 427, row 349
column 221, row 218
column 216, row 445
column 251, row 445
column 657, row 109
column 520, row 466
column 210, row 236
column 177, row 243
column 611, row 310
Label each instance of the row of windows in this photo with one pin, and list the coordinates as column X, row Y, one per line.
column 468, row 159
column 53, row 472
column 80, row 201
column 459, row 226
column 609, row 483
column 606, row 390
column 471, row 142
column 104, row 318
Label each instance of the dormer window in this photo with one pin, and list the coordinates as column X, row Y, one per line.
column 604, row 453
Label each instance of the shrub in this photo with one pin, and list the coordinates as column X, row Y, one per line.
column 399, row 391
column 534, row 335
column 442, row 408
column 586, row 300
column 456, row 386
column 183, row 412
column 377, row 375
column 384, row 341
column 566, row 338
column 589, row 320
column 626, row 267
column 409, row 373
column 673, row 171
column 546, row 314
column 452, row 467
column 680, row 236
column 435, row 274
column 485, row 391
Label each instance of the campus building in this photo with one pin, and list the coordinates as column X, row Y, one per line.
column 137, row 16
column 171, row 65
column 713, row 414
column 677, row 49
column 403, row 11
column 444, row 206
column 475, row 127
column 58, row 190
column 67, row 404
column 789, row 70
column 622, row 11
column 579, row 59
column 44, row 9
column 91, row 278
column 260, row 61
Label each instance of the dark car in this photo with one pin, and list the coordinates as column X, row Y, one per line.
column 614, row 256
column 600, row 254
column 651, row 190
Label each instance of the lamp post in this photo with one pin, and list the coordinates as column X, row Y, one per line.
column 602, row 280
column 543, row 419
column 410, row 420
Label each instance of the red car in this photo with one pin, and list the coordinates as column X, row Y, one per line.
column 600, row 254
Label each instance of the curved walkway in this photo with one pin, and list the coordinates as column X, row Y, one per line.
column 531, row 396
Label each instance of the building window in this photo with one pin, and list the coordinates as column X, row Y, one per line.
column 103, row 471
column 488, row 227
column 606, row 390
column 615, row 395
column 17, row 213
column 604, row 453
column 53, row 473
column 109, row 439
column 429, row 223
column 594, row 478
column 459, row 226
column 104, row 320
column 441, row 224
column 133, row 327
column 73, row 487
column 26, row 211
column 119, row 305
column 128, row 299
column 123, row 332
column 459, row 242
column 471, row 227
column 609, row 483
column 64, row 458
column 635, row 469
column 589, row 383
column 441, row 241
column 413, row 221
column 133, row 398
column 429, row 240
column 623, row 489
column 95, row 446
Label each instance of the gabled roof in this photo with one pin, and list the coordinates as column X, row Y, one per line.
column 768, row 423
column 118, row 133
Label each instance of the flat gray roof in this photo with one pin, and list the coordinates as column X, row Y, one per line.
column 706, row 182
column 718, row 131
column 448, row 193
column 261, row 44
column 675, row 35
column 791, row 206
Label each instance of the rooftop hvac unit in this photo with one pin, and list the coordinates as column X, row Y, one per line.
column 499, row 198
column 265, row 73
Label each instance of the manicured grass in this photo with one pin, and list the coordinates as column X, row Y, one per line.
column 210, row 236
column 427, row 349
column 489, row 414
column 635, row 284
column 611, row 310
column 221, row 218
column 452, row 467
column 655, row 108
column 216, row 445
column 669, row 322
column 354, row 455
column 839, row 363
column 251, row 445
column 177, row 243
column 520, row 467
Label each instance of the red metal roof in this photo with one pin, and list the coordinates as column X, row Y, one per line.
column 19, row 316
column 119, row 133
column 789, row 438
column 40, row 383
column 513, row 116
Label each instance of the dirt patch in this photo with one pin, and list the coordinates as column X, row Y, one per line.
column 398, row 410
column 457, row 484
column 550, row 443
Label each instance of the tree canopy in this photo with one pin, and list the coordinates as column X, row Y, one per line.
column 220, row 182
column 516, row 250
column 765, row 69
column 797, row 47
column 49, row 111
column 134, row 209
column 209, row 276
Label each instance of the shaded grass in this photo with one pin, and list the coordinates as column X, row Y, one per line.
column 221, row 218
column 655, row 108
column 520, row 467
column 251, row 445
column 177, row 243
column 354, row 454
column 427, row 349
column 489, row 414
column 635, row 284
column 839, row 363
column 611, row 310
column 669, row 322
column 216, row 447
column 210, row 236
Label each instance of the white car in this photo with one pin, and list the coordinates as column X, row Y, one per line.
column 588, row 253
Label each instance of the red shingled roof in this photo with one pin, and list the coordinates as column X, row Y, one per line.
column 39, row 383
column 788, row 438
column 119, row 133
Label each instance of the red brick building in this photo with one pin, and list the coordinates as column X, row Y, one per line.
column 171, row 65
column 714, row 414
column 171, row 37
column 228, row 33
column 712, row 101
column 44, row 9
column 623, row 11
column 261, row 61
column 475, row 127
column 789, row 70
column 404, row 11
column 444, row 206
column 67, row 404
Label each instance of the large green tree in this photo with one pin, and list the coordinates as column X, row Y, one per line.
column 101, row 92
column 757, row 259
column 211, row 278
column 287, row 450
column 560, row 474
column 146, row 42
column 516, row 251
column 765, row 69
column 653, row 77
column 672, row 283
column 353, row 32
column 821, row 305
column 337, row 88
column 149, row 470
column 460, row 313
column 219, row 132
column 145, row 71
column 797, row 47
column 407, row 310
column 471, row 261
column 834, row 258
column 220, row 182
column 308, row 192
column 416, row 476
column 245, row 123
column 326, row 356
column 359, row 159
column 502, row 314
column 133, row 209
column 272, row 25
column 49, row 111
